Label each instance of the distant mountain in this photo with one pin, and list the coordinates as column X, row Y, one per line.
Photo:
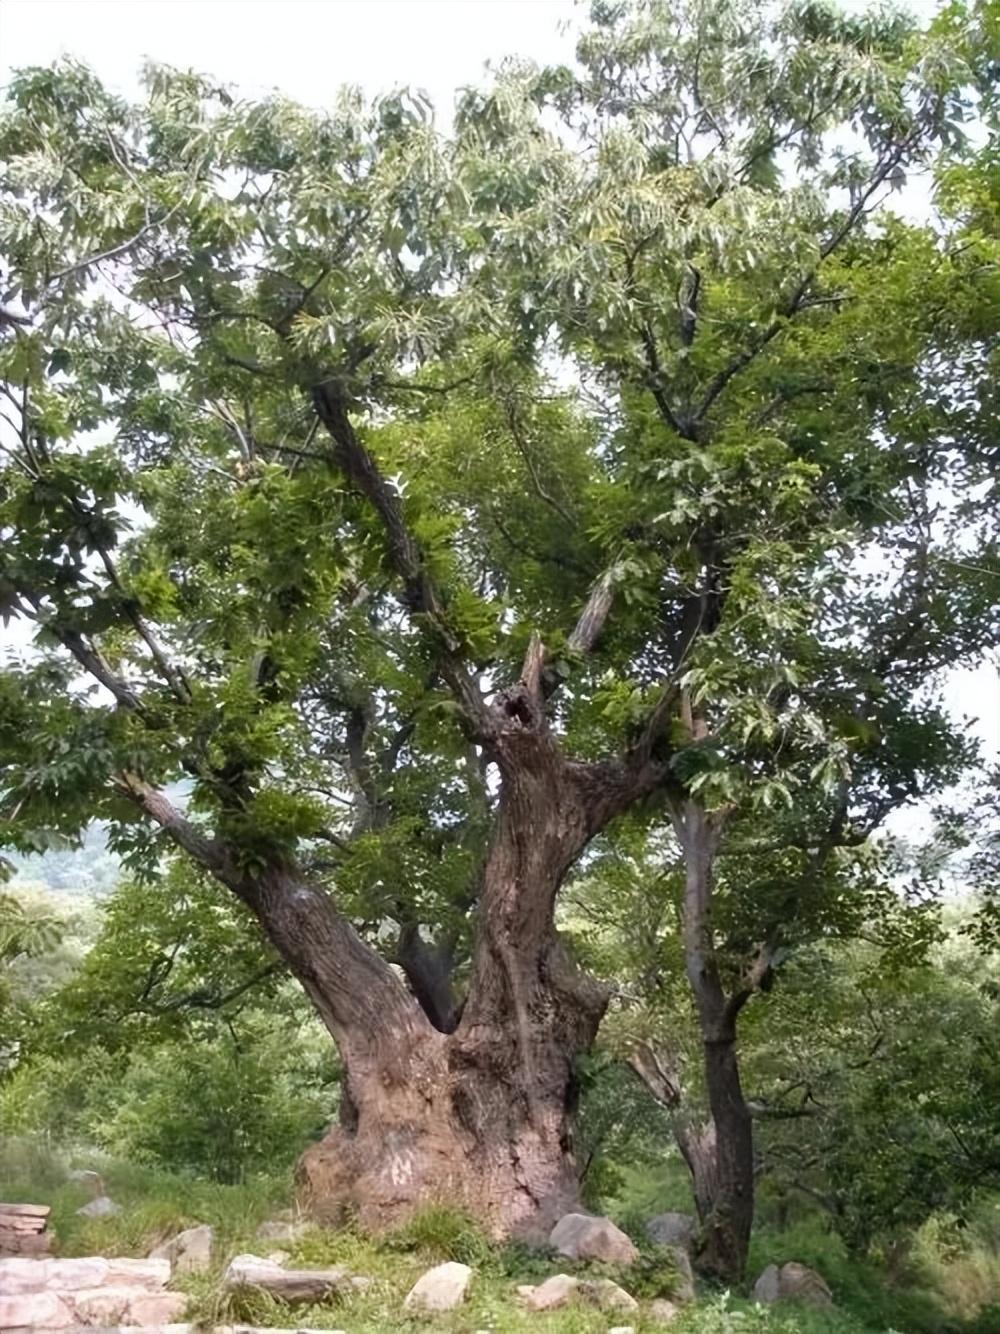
column 90, row 870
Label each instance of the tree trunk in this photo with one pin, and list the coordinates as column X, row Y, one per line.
column 726, row 1229
column 447, row 1121
column 699, row 1151
column 479, row 1117
column 724, row 1190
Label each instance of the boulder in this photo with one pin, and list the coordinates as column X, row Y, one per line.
column 559, row 1290
column 127, row 1306
column 277, row 1257
column 90, row 1181
column 245, row 1329
column 105, row 1306
column 606, row 1295
column 289, row 1285
column 622, row 1329
column 661, row 1311
column 102, row 1206
column 22, row 1275
column 23, row 1229
column 189, row 1251
column 768, row 1285
column 673, row 1229
column 793, row 1281
column 156, row 1308
column 440, row 1289
column 582, row 1237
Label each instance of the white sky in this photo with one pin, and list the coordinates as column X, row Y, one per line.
column 307, row 49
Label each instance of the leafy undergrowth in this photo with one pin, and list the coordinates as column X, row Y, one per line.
column 155, row 1205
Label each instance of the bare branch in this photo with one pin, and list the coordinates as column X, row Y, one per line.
column 593, row 618
column 522, row 448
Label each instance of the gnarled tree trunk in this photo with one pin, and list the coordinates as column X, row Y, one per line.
column 479, row 1116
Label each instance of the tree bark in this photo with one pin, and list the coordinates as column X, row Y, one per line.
column 726, row 1229
column 700, row 1152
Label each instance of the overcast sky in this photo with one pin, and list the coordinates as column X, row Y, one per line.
column 307, row 49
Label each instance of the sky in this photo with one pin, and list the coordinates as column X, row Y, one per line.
column 307, row 49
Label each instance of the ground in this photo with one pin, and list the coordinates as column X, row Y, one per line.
column 156, row 1205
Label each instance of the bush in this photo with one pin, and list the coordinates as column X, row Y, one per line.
column 217, row 1109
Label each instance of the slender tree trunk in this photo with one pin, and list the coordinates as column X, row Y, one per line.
column 724, row 1191
column 726, row 1229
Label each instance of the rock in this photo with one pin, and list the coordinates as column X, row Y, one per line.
column 252, row 1329
column 290, row 1285
column 581, row 1237
column 768, row 1285
column 662, row 1312
column 189, row 1251
column 281, row 1229
column 72, row 1276
column 100, row 1207
column 23, row 1229
column 607, row 1296
column 157, row 1308
column 105, row 1306
column 121, row 1306
column 277, row 1257
column 622, row 1329
column 795, row 1281
column 34, row 1310
column 90, row 1181
column 360, row 1283
column 440, row 1289
column 684, row 1289
column 86, row 1293
column 559, row 1290
column 672, row 1229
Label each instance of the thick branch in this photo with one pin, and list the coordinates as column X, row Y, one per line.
column 207, row 852
column 592, row 619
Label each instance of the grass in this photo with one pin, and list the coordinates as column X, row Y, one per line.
column 154, row 1204
column 952, row 1280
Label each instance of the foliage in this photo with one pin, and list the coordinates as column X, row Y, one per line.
column 770, row 410
column 223, row 1110
column 155, row 1049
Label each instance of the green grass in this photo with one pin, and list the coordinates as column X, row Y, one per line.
column 154, row 1204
